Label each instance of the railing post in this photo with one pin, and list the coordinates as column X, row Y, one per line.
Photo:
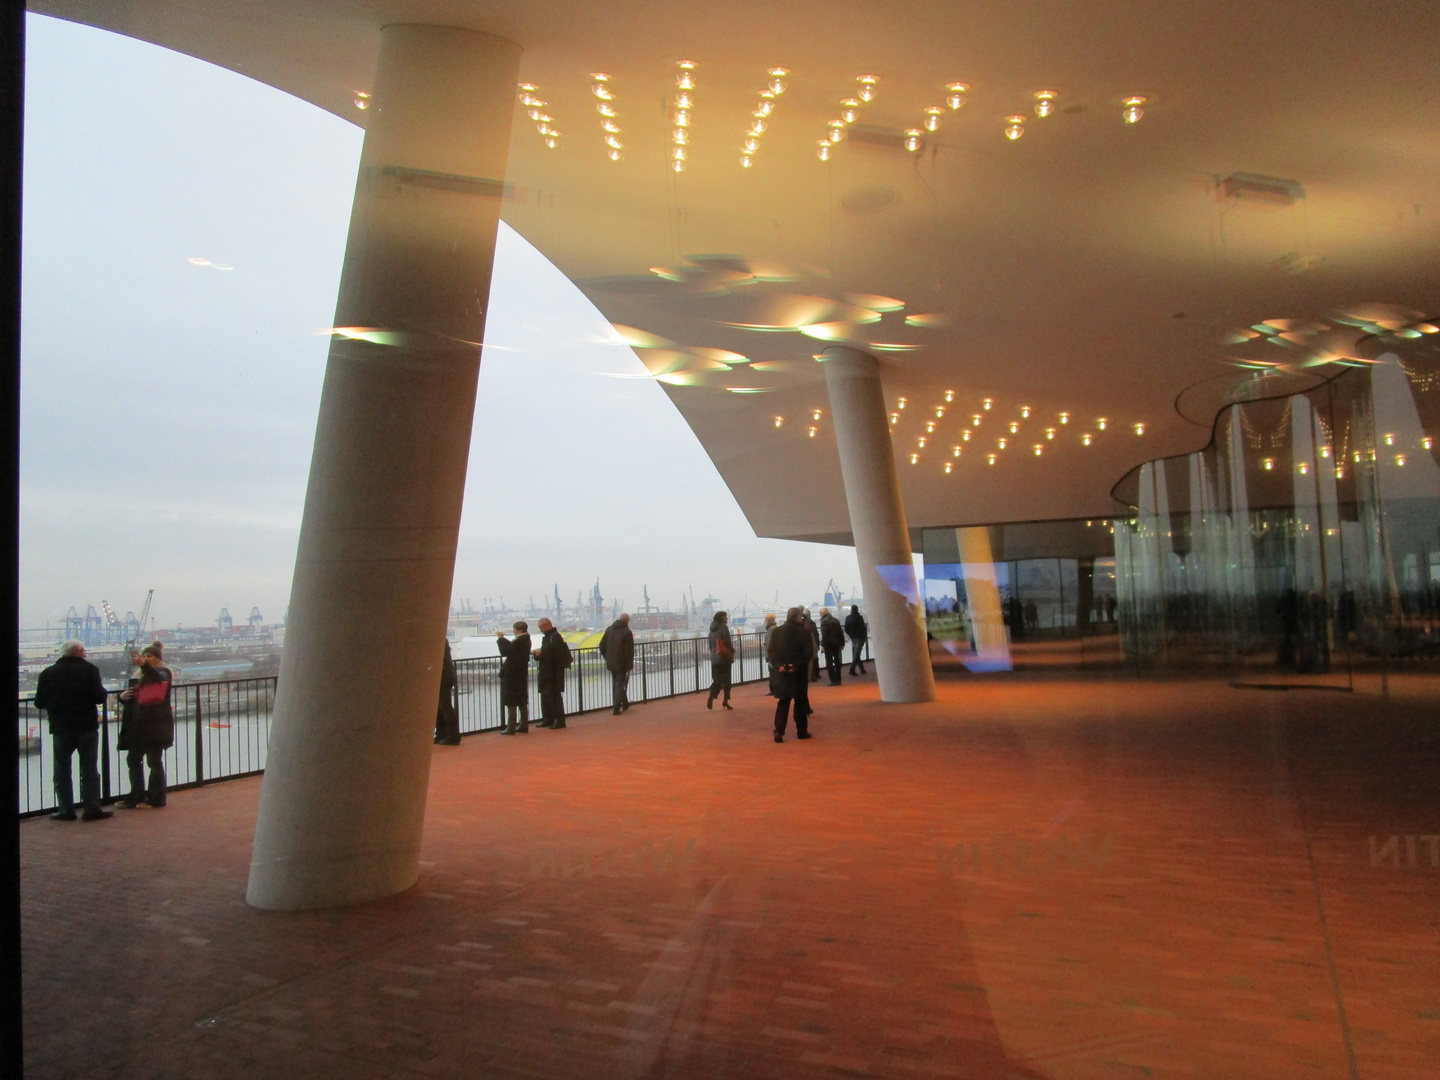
column 670, row 651
column 644, row 673
column 105, row 749
column 580, row 670
column 199, row 740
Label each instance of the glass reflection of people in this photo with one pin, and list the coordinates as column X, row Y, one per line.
column 148, row 728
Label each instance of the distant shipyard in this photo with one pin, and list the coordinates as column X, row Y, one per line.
column 228, row 648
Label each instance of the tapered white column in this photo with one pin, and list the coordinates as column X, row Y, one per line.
column 877, row 520
column 349, row 755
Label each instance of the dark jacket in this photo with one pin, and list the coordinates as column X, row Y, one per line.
column 515, row 670
column 720, row 632
column 152, row 727
column 814, row 634
column 855, row 626
column 554, row 655
column 832, row 634
column 790, row 646
column 68, row 691
column 618, row 647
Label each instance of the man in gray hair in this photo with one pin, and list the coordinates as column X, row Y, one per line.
column 68, row 692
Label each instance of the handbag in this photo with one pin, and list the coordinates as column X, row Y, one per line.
column 152, row 693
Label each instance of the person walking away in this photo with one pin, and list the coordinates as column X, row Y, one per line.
column 857, row 632
column 769, row 632
column 832, row 640
column 791, row 653
column 447, row 716
column 67, row 692
column 150, row 728
column 814, row 632
column 617, row 646
column 515, row 679
column 722, row 655
column 552, row 658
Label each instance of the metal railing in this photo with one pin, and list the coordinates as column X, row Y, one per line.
column 222, row 728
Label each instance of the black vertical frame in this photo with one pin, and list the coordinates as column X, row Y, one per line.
column 12, row 100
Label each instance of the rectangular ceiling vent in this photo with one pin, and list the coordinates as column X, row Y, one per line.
column 876, row 137
column 1253, row 187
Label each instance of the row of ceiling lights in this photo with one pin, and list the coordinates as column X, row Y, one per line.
column 1132, row 110
column 760, row 117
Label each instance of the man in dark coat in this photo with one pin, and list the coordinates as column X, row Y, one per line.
column 447, row 716
column 813, row 667
column 790, row 653
column 857, row 632
column 617, row 646
column 553, row 658
column 832, row 640
column 515, row 679
column 68, row 692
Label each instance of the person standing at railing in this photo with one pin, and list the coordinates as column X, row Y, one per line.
column 617, row 646
column 68, row 691
column 447, row 716
column 857, row 632
column 769, row 634
column 813, row 665
column 722, row 655
column 832, row 640
column 790, row 653
column 515, row 679
column 552, row 658
column 149, row 730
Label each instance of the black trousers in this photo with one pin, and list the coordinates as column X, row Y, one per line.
column 87, row 744
column 620, row 693
column 447, row 724
column 832, row 663
column 552, row 704
column 719, row 679
column 857, row 655
column 517, row 714
column 794, row 686
column 136, row 759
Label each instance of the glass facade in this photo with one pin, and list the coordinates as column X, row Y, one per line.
column 1300, row 547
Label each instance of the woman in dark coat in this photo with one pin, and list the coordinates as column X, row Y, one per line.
column 515, row 679
column 722, row 655
column 149, row 728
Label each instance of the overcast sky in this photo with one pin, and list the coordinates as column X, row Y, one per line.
column 169, row 408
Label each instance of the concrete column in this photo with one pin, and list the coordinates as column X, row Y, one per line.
column 877, row 519
column 349, row 757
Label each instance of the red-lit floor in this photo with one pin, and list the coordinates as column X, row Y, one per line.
column 1038, row 876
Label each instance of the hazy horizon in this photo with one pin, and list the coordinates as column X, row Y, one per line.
column 168, row 406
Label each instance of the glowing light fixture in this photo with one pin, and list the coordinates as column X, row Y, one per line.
column 1086, row 439
column 1399, row 459
column 1001, row 443
column 955, row 451
column 947, row 466
column 956, row 92
column 1389, row 438
column 1039, row 449
column 988, row 404
column 1014, row 426
column 976, row 419
column 914, row 458
column 815, row 414
column 894, row 418
column 1049, row 433
column 1101, row 422
column 949, row 395
column 1428, row 443
column 850, row 110
column 902, row 402
column 1045, row 102
column 1132, row 109
column 989, row 459
column 837, row 130
column 912, row 139
column 1268, row 463
column 932, row 117
column 680, row 108
column 1014, row 127
column 746, row 161
column 1139, row 428
column 929, row 425
column 965, row 434
column 1064, row 418
column 811, row 433
column 751, row 145
column 1024, row 412
column 939, row 412
column 867, row 85
column 777, row 80
column 824, row 152
column 764, row 109
column 1304, row 468
column 920, row 442
column 1325, row 451
column 779, row 421
column 362, row 99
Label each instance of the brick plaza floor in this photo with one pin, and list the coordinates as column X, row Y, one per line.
column 1049, row 875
